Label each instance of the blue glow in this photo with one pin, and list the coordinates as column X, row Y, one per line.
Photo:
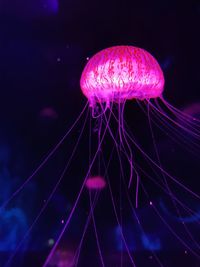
column 166, row 64
column 31, row 9
column 51, row 6
column 12, row 224
column 189, row 219
column 151, row 242
column 129, row 237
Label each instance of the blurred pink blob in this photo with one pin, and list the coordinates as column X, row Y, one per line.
column 48, row 113
column 62, row 258
column 119, row 73
column 193, row 110
column 95, row 183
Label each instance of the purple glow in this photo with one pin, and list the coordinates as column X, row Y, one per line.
column 62, row 258
column 193, row 110
column 48, row 113
column 31, row 9
column 51, row 6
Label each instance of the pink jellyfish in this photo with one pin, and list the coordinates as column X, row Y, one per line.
column 120, row 73
column 109, row 79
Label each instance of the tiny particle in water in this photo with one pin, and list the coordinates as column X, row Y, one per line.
column 50, row 242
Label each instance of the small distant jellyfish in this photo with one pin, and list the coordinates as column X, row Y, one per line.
column 62, row 258
column 193, row 111
column 48, row 113
column 95, row 183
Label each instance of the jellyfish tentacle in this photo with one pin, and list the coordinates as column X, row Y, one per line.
column 77, row 253
column 77, row 199
column 122, row 140
column 158, row 167
column 158, row 108
column 175, row 234
column 133, row 168
column 177, row 136
column 176, row 181
column 129, row 158
column 128, row 197
column 177, row 112
column 7, row 264
column 149, row 160
column 49, row 155
column 186, row 208
column 113, row 202
column 96, row 233
column 164, row 176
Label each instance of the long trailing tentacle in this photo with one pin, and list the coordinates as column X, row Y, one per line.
column 119, row 149
column 77, row 253
column 49, row 155
column 129, row 154
column 113, row 202
column 165, row 180
column 77, row 199
column 49, row 197
column 177, row 112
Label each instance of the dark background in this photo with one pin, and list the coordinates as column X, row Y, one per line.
column 44, row 45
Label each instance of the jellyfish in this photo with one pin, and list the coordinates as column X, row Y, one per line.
column 110, row 79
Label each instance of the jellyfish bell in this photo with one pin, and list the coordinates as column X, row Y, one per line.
column 95, row 183
column 119, row 73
